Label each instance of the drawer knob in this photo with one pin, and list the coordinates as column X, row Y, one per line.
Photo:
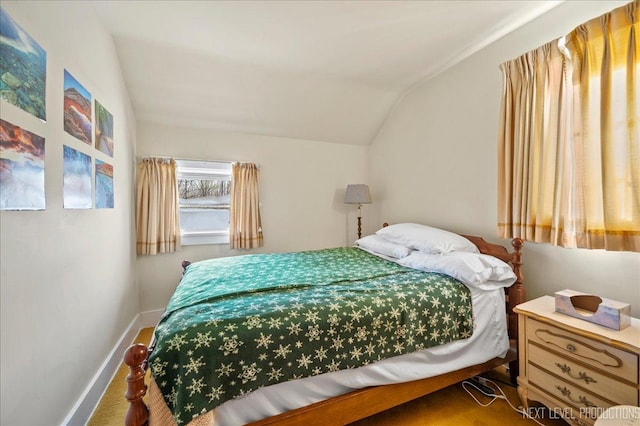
column 571, row 348
column 581, row 374
column 581, row 399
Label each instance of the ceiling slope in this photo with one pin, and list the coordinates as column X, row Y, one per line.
column 318, row 70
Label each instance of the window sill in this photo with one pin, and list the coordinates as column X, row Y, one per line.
column 204, row 238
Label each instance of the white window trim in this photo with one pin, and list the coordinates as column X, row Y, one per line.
column 204, row 237
column 194, row 169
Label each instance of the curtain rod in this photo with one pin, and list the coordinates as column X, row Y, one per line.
column 138, row 158
column 163, row 157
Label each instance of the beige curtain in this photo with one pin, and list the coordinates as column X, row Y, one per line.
column 531, row 146
column 605, row 63
column 157, row 210
column 568, row 143
column 245, row 227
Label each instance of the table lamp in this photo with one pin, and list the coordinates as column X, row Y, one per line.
column 358, row 194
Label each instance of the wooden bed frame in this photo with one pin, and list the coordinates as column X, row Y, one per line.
column 362, row 403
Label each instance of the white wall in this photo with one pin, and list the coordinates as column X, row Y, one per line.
column 302, row 186
column 68, row 288
column 68, row 277
column 435, row 162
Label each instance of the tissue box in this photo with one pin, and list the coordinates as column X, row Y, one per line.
column 598, row 310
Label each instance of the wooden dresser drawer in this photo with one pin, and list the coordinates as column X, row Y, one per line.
column 574, row 367
column 586, row 404
column 620, row 393
column 612, row 360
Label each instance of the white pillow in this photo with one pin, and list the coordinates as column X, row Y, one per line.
column 377, row 244
column 474, row 269
column 426, row 238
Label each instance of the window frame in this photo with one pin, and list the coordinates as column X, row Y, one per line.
column 203, row 170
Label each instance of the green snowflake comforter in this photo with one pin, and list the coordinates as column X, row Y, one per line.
column 240, row 323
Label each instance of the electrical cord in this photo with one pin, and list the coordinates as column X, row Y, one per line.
column 481, row 387
column 504, row 382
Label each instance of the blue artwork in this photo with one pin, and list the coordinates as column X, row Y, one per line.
column 77, row 179
column 104, row 185
column 23, row 68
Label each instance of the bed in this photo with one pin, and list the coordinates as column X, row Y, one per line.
column 336, row 362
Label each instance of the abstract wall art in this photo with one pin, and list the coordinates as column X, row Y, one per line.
column 21, row 169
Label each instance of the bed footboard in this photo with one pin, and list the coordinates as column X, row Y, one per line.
column 136, row 358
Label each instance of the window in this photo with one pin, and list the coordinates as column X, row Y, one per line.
column 204, row 189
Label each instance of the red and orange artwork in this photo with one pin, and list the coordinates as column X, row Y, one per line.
column 21, row 169
column 77, row 109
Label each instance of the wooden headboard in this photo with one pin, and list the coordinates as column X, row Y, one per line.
column 516, row 294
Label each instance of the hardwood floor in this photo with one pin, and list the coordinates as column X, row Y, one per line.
column 451, row 406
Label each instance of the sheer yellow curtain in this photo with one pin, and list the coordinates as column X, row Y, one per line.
column 245, row 227
column 532, row 146
column 568, row 155
column 157, row 211
column 605, row 63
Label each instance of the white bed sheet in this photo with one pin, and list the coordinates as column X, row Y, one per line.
column 489, row 340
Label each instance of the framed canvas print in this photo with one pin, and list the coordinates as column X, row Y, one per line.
column 104, row 185
column 76, row 179
column 21, row 169
column 104, row 130
column 77, row 109
column 23, row 68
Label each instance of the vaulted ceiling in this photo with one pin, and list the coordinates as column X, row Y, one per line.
column 319, row 70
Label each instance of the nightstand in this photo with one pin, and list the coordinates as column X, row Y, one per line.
column 576, row 368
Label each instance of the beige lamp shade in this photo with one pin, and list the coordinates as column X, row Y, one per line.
column 357, row 194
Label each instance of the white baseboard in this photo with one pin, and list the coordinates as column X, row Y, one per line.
column 85, row 406
column 149, row 318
